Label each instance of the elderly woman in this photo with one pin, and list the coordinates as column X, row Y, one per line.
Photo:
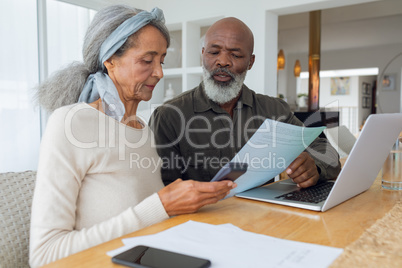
column 99, row 175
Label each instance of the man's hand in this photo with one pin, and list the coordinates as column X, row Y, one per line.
column 303, row 171
column 181, row 197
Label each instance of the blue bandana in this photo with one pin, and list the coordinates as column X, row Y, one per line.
column 99, row 84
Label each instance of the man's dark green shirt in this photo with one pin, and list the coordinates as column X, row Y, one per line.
column 195, row 137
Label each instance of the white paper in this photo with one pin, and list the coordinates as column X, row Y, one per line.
column 229, row 246
column 272, row 148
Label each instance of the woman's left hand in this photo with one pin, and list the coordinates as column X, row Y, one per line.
column 181, row 197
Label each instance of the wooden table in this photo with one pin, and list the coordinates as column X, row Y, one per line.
column 337, row 227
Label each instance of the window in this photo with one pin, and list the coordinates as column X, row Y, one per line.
column 19, row 74
column 19, row 121
column 66, row 27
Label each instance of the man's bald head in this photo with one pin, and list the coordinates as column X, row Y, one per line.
column 227, row 55
column 234, row 27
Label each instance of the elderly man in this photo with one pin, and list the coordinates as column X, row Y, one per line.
column 200, row 130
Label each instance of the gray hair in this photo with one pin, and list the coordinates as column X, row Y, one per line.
column 64, row 86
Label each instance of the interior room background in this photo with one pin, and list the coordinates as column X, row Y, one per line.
column 41, row 36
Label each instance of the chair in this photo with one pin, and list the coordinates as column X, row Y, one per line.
column 16, row 190
column 341, row 139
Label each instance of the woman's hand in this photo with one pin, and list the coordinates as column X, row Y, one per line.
column 181, row 197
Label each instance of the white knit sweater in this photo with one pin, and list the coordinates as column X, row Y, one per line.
column 97, row 180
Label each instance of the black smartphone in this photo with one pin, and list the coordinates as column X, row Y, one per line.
column 231, row 171
column 148, row 257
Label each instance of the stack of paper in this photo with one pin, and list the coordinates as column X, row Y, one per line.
column 272, row 148
column 228, row 246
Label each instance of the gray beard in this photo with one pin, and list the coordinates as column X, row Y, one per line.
column 222, row 93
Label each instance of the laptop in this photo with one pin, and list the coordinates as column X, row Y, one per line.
column 357, row 175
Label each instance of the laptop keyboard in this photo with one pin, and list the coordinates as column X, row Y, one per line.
column 314, row 194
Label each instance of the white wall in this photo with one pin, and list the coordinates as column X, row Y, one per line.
column 350, row 106
column 262, row 18
column 262, row 77
column 260, row 15
column 367, row 57
column 351, row 99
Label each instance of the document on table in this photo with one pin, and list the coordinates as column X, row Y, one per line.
column 272, row 148
column 229, row 246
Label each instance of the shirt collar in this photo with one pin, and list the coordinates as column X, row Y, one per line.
column 246, row 96
column 202, row 103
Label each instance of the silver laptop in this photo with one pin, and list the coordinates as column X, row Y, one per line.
column 358, row 173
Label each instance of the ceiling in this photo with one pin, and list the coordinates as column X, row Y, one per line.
column 362, row 25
